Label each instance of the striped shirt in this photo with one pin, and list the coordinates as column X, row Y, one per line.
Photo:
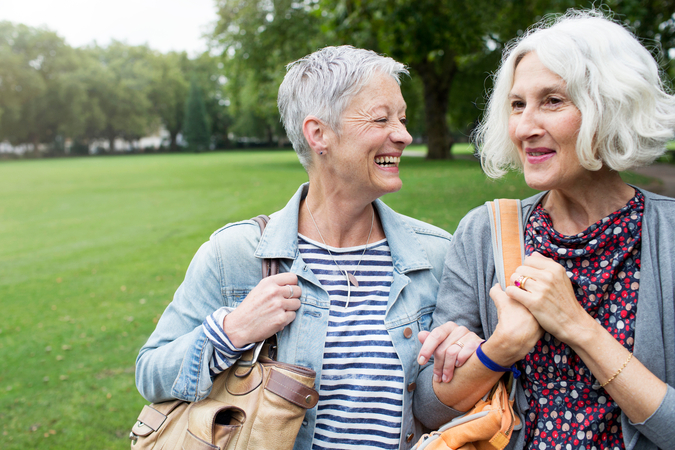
column 361, row 387
column 224, row 353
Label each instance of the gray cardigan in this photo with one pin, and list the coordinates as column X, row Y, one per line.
column 469, row 273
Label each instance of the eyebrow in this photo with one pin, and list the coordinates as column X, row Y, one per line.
column 546, row 90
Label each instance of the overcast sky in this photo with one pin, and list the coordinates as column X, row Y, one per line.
column 162, row 24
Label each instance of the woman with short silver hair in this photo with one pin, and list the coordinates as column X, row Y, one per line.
column 590, row 319
column 358, row 281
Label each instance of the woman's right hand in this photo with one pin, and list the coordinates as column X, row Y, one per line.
column 451, row 346
column 266, row 310
column 516, row 333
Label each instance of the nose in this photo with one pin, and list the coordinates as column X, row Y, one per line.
column 528, row 125
column 400, row 135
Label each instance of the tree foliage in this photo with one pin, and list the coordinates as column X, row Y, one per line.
column 257, row 40
column 451, row 47
column 51, row 93
column 196, row 126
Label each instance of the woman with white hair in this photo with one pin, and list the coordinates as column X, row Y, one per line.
column 590, row 320
column 358, row 281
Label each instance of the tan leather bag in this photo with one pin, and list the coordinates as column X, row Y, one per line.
column 491, row 422
column 257, row 404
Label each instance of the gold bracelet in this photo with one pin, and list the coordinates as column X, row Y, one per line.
column 617, row 372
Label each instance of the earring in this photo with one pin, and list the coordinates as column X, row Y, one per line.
column 320, row 153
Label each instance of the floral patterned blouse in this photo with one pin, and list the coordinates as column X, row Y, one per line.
column 568, row 408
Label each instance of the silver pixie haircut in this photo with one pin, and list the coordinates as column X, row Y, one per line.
column 627, row 115
column 323, row 84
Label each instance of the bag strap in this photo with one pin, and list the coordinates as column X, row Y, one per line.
column 506, row 225
column 269, row 267
column 508, row 247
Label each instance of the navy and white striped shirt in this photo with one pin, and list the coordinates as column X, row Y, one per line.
column 361, row 387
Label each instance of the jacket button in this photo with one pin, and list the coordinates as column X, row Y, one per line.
column 407, row 332
column 409, row 437
column 412, row 386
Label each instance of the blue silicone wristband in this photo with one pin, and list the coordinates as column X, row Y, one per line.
column 493, row 366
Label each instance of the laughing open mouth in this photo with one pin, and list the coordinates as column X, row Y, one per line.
column 387, row 161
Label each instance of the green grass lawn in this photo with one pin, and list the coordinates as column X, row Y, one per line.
column 92, row 249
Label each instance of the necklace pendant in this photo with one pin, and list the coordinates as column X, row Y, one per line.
column 352, row 279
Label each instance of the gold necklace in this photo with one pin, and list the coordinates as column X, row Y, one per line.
column 350, row 278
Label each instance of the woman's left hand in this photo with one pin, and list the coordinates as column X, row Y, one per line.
column 546, row 291
column 451, row 345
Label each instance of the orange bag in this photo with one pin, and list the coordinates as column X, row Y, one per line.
column 487, row 426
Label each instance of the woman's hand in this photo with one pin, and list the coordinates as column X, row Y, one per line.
column 548, row 294
column 266, row 310
column 516, row 333
column 451, row 345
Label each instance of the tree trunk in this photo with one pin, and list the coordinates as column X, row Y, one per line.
column 173, row 145
column 270, row 135
column 437, row 78
column 36, row 143
column 111, row 144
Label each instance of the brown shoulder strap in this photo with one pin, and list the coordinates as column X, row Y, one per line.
column 269, row 266
column 507, row 237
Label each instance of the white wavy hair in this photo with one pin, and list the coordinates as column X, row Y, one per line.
column 627, row 115
column 322, row 84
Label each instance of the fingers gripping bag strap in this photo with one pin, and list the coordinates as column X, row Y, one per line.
column 269, row 267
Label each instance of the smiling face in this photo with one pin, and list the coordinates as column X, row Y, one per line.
column 544, row 124
column 366, row 154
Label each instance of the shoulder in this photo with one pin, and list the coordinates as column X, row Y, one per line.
column 474, row 223
column 655, row 203
column 237, row 238
column 658, row 219
column 425, row 229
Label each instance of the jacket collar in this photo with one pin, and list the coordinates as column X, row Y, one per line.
column 280, row 239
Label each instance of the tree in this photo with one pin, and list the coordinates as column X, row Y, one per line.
column 453, row 46
column 168, row 92
column 196, row 127
column 120, row 88
column 209, row 73
column 34, row 97
column 257, row 40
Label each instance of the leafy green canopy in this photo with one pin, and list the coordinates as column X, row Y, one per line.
column 51, row 92
column 196, row 127
column 450, row 46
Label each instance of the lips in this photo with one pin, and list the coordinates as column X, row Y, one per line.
column 387, row 161
column 538, row 151
column 540, row 154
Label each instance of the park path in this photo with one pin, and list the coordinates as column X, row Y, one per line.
column 663, row 172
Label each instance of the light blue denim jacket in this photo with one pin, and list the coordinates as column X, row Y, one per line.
column 174, row 363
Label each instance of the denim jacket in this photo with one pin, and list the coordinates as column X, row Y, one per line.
column 174, row 363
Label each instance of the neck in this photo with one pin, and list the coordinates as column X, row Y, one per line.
column 574, row 210
column 342, row 222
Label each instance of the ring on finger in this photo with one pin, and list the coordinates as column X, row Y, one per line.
column 520, row 282
column 460, row 343
column 290, row 293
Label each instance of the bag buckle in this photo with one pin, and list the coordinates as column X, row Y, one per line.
column 256, row 352
column 133, row 437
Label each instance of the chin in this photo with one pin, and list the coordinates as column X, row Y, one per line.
column 395, row 187
column 540, row 184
